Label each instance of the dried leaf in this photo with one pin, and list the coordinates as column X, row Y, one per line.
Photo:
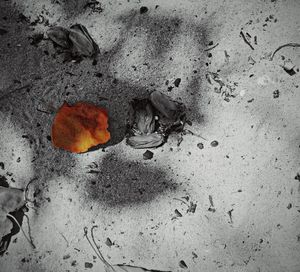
column 166, row 107
column 78, row 127
column 82, row 42
column 60, row 36
column 11, row 199
column 145, row 141
column 144, row 122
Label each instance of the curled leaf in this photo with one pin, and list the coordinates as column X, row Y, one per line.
column 145, row 141
column 76, row 40
column 78, row 127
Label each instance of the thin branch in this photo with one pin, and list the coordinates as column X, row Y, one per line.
column 211, row 48
column 284, row 45
column 28, row 239
column 245, row 40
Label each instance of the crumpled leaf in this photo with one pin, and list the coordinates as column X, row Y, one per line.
column 78, row 127
column 154, row 119
column 146, row 141
column 76, row 40
column 143, row 117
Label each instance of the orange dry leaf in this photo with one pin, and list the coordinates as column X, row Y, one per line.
column 78, row 127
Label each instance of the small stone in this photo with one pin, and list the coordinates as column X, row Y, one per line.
column 214, row 143
column 108, row 242
column 200, row 145
column 143, row 10
column 148, row 155
column 276, row 94
column 88, row 265
column 65, row 257
column 289, row 206
column 177, row 82
column 182, row 264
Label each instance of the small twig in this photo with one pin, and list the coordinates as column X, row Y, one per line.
column 43, row 111
column 64, row 237
column 95, row 247
column 26, row 189
column 211, row 48
column 16, row 221
column 282, row 46
column 7, row 95
column 245, row 40
column 195, row 134
column 29, row 228
column 180, row 200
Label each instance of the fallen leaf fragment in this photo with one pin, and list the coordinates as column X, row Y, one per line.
column 78, row 127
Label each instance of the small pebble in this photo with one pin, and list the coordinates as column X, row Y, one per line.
column 200, row 145
column 276, row 94
column 88, row 265
column 214, row 143
column 182, row 264
column 148, row 155
column 177, row 82
column 143, row 10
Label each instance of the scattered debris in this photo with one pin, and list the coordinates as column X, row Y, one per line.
column 78, row 127
column 214, row 143
column 195, row 256
column 230, row 215
column 76, row 41
column 192, row 207
column 276, row 94
column 246, row 39
column 153, row 119
column 148, row 155
column 182, row 264
column 108, row 266
column 226, row 89
column 282, row 46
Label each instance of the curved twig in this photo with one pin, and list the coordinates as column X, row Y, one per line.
column 282, row 46
column 20, row 227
